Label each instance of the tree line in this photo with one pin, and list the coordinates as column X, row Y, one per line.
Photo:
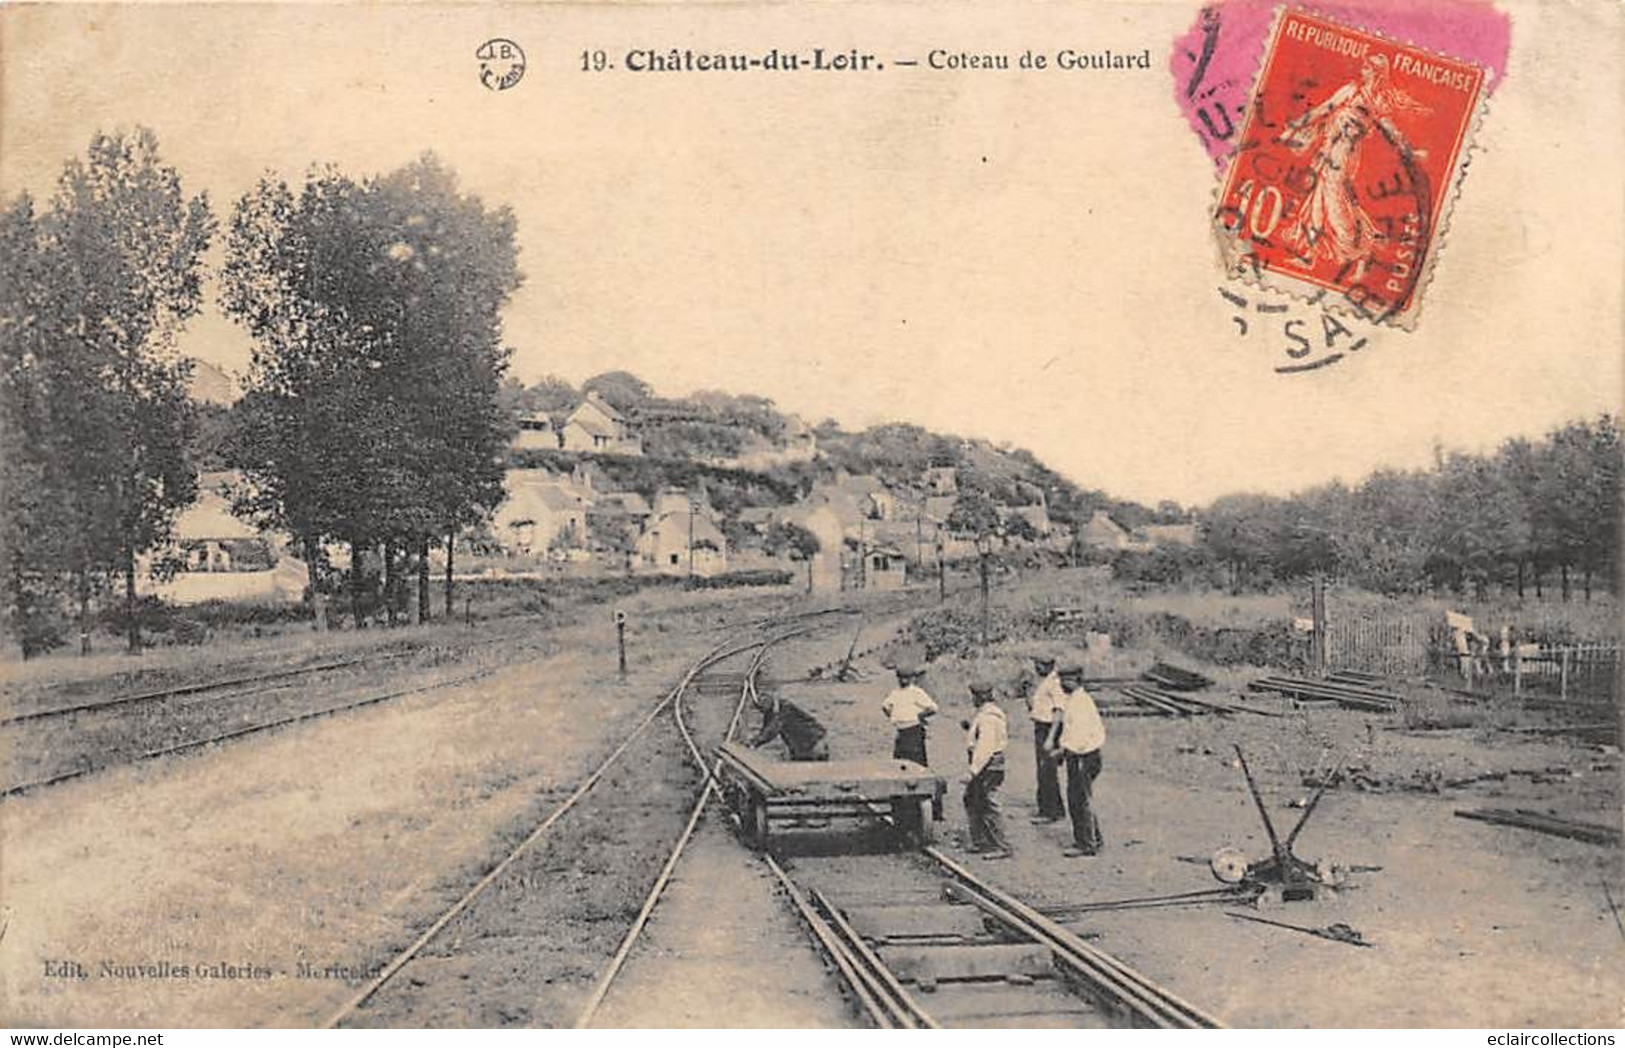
column 1507, row 520
column 370, row 417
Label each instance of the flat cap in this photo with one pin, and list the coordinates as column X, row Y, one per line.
column 906, row 665
column 981, row 687
column 1072, row 669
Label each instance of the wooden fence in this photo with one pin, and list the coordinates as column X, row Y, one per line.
column 1391, row 645
column 1581, row 671
column 1410, row 646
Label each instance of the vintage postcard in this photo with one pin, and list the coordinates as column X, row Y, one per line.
column 798, row 515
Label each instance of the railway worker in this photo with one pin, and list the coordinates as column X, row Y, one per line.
column 804, row 738
column 908, row 707
column 1077, row 737
column 1042, row 702
column 985, row 741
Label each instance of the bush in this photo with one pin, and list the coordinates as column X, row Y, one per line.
column 756, row 577
column 36, row 622
column 1272, row 643
column 1166, row 565
column 958, row 631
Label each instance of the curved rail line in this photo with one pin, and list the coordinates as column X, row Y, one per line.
column 17, row 789
column 371, row 658
column 725, row 650
column 747, row 696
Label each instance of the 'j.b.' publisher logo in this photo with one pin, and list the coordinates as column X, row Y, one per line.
column 502, row 64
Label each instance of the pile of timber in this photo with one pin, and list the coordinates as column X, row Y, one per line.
column 1354, row 696
column 1540, row 822
column 1176, row 678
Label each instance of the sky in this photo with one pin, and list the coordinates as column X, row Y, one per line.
column 1023, row 257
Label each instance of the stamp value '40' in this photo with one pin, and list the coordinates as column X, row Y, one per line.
column 1345, row 166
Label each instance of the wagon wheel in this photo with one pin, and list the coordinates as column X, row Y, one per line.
column 909, row 820
column 755, row 825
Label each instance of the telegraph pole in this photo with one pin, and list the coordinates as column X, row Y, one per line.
column 690, row 540
column 942, row 570
column 620, row 639
column 919, row 536
column 863, row 557
column 984, row 547
column 1317, row 610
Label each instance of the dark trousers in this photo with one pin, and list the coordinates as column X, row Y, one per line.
column 982, row 811
column 1049, row 775
column 1081, row 769
column 910, row 744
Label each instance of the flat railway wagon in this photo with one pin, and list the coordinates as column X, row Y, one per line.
column 764, row 793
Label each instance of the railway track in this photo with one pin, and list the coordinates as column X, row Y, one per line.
column 939, row 946
column 200, row 688
column 104, row 749
column 253, row 682
column 747, row 696
column 89, row 765
column 696, row 679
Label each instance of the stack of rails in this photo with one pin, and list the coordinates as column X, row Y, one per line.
column 1355, row 677
column 1154, row 702
column 1341, row 691
column 1174, row 678
column 1541, row 822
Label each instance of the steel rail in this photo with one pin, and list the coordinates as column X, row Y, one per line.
column 904, row 1006
column 253, row 729
column 837, row 951
column 1154, row 1004
column 747, row 693
column 722, row 651
column 198, row 688
column 1141, row 1004
column 160, row 694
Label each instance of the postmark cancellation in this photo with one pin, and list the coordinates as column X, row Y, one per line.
column 1351, row 151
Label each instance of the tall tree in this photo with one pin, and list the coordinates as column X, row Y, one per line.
column 787, row 538
column 33, row 521
column 375, row 308
column 118, row 271
column 622, row 390
column 299, row 436
column 975, row 514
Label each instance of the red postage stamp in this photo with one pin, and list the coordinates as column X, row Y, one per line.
column 1346, row 165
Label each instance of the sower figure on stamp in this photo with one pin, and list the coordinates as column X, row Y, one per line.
column 985, row 741
column 1042, row 702
column 1330, row 223
column 1077, row 737
column 908, row 707
column 804, row 738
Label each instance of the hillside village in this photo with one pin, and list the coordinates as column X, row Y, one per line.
column 700, row 487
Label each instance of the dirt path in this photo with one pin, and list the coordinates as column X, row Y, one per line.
column 723, row 951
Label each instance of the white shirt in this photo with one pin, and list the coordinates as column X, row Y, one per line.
column 904, row 706
column 1046, row 698
column 1081, row 728
column 987, row 737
